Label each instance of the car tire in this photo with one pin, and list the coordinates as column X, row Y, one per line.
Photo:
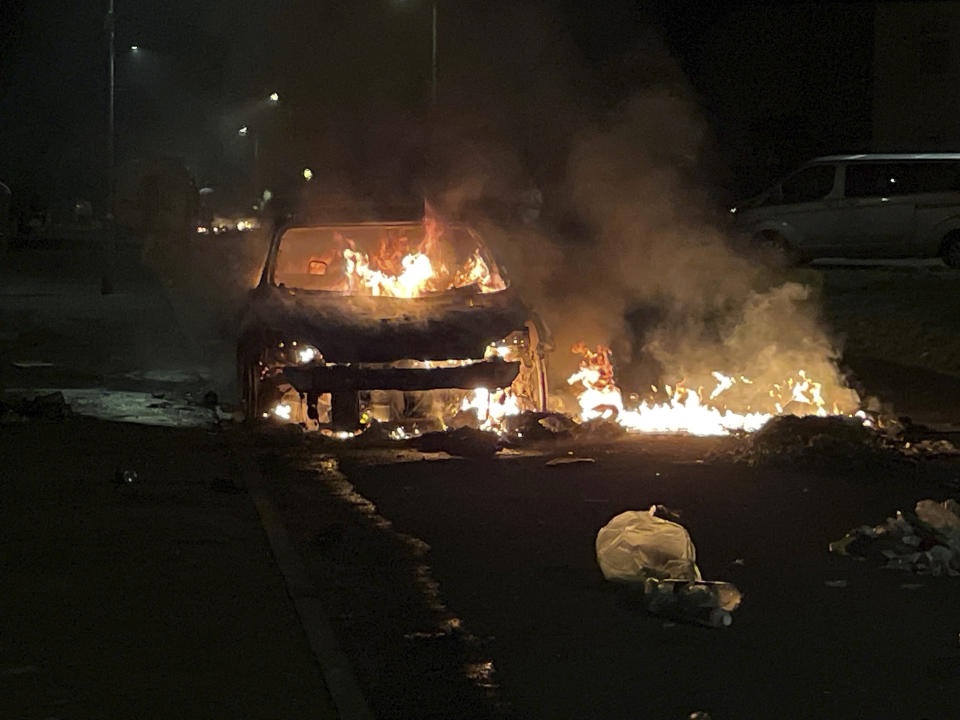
column 779, row 249
column 950, row 253
column 345, row 411
column 250, row 380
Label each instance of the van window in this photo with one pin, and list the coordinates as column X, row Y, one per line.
column 812, row 183
column 936, row 177
column 878, row 179
column 887, row 179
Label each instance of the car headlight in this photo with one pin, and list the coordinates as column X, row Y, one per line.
column 306, row 354
column 296, row 353
column 510, row 348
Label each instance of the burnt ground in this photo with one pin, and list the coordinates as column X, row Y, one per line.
column 511, row 546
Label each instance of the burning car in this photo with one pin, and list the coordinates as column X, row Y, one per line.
column 387, row 321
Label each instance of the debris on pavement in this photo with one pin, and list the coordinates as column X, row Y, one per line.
column 600, row 430
column 836, row 583
column 530, row 427
column 569, row 460
column 925, row 541
column 646, row 550
column 930, row 448
column 636, row 545
column 464, row 441
column 833, row 441
column 703, row 602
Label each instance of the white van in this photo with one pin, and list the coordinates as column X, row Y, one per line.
column 861, row 206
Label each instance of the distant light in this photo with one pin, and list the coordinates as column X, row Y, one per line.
column 134, row 48
column 242, row 132
column 307, row 174
column 274, row 97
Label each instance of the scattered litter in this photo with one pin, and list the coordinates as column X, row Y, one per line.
column 930, row 448
column 739, row 562
column 124, row 476
column 926, row 541
column 702, row 602
column 662, row 511
column 636, row 545
column 699, row 715
column 646, row 550
column 569, row 461
column 27, row 364
column 836, row 583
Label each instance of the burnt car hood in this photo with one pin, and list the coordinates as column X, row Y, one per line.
column 454, row 325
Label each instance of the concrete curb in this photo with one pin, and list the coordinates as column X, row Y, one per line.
column 337, row 671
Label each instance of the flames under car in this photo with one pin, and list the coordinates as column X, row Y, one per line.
column 387, row 321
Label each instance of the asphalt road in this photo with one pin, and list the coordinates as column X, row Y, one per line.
column 511, row 547
column 469, row 588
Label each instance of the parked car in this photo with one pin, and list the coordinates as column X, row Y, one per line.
column 861, row 206
column 385, row 321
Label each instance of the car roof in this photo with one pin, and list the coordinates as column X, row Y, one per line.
column 886, row 157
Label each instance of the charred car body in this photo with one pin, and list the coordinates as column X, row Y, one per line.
column 387, row 321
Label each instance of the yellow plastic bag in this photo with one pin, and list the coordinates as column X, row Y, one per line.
column 637, row 544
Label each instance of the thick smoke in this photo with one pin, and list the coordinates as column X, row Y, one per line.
column 650, row 270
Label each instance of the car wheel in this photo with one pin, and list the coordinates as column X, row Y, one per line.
column 951, row 250
column 345, row 410
column 781, row 253
column 252, row 405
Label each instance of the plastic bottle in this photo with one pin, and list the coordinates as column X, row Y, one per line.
column 700, row 601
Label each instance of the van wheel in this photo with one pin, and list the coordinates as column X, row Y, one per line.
column 950, row 252
column 780, row 252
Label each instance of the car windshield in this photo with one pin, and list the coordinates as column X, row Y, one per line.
column 405, row 260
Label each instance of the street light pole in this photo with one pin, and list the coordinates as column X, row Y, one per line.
column 433, row 57
column 106, row 283
column 111, row 127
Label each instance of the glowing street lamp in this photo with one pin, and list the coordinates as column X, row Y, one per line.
column 307, row 174
column 274, row 97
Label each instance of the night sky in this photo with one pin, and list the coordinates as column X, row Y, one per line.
column 775, row 82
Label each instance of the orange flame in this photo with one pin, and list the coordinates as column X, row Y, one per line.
column 686, row 410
